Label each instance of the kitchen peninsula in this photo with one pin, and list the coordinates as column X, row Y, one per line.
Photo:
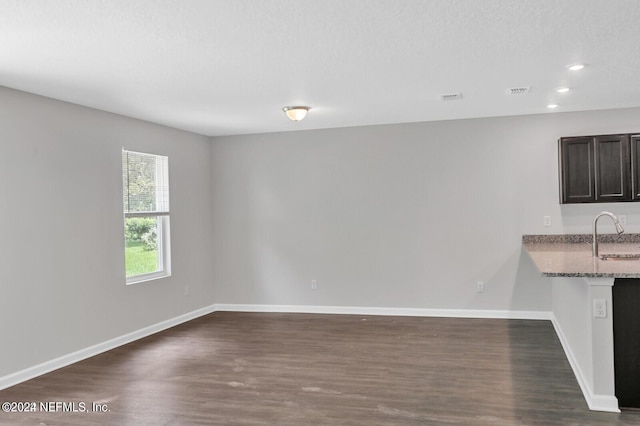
column 570, row 255
column 595, row 300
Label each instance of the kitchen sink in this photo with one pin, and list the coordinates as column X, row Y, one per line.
column 634, row 256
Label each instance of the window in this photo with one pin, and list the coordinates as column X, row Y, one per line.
column 145, row 188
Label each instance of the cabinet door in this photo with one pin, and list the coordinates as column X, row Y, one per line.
column 577, row 170
column 612, row 168
column 626, row 341
column 635, row 167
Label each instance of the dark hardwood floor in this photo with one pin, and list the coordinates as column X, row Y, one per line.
column 303, row 369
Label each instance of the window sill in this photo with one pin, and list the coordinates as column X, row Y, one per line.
column 137, row 279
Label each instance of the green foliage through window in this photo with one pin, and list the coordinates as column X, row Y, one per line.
column 142, row 229
column 145, row 189
column 139, row 179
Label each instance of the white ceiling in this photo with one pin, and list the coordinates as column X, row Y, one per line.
column 222, row 67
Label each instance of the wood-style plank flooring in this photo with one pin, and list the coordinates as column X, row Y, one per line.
column 304, row 369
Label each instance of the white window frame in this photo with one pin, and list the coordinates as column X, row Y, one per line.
column 163, row 223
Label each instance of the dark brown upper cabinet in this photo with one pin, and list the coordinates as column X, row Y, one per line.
column 635, row 167
column 599, row 169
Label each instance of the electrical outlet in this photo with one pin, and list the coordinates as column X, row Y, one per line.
column 599, row 308
column 480, row 287
column 623, row 219
column 314, row 284
column 546, row 220
column 186, row 290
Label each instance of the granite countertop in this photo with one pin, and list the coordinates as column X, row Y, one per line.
column 570, row 255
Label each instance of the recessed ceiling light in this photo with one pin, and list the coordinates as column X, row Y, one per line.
column 562, row 89
column 576, row 67
column 552, row 106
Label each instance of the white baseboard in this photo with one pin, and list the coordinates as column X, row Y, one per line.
column 608, row 403
column 63, row 361
column 595, row 402
column 362, row 310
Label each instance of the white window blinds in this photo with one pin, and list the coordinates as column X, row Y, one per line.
column 145, row 179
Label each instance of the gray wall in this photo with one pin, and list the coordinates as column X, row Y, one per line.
column 409, row 215
column 62, row 278
column 383, row 216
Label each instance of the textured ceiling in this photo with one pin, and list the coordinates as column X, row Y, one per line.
column 221, row 67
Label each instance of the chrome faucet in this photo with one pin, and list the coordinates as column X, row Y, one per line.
column 619, row 229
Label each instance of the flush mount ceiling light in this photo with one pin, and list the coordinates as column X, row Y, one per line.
column 576, row 67
column 296, row 113
column 562, row 89
column 552, row 106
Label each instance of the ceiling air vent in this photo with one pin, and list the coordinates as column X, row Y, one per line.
column 451, row 97
column 519, row 90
